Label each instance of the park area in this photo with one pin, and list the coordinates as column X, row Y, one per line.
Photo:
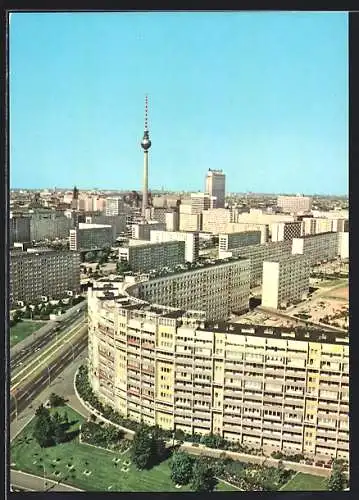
column 87, row 467
column 306, row 482
column 23, row 329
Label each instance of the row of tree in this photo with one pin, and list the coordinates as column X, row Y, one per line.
column 197, row 472
column 103, row 435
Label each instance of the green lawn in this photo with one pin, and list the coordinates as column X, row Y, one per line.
column 306, row 482
column 23, row 329
column 104, row 472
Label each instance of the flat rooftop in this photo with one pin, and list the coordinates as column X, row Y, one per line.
column 84, row 225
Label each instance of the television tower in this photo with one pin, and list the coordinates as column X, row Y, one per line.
column 145, row 144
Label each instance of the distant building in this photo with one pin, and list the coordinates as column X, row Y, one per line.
column 145, row 256
column 113, row 206
column 49, row 225
column 294, row 204
column 89, row 237
column 189, row 221
column 216, row 186
column 191, row 242
column 284, row 281
column 282, row 231
column 118, row 222
column 215, row 220
column 43, row 273
column 237, row 227
column 172, row 221
column 19, row 229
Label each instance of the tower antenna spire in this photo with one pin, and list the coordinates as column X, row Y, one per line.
column 146, row 113
column 145, row 144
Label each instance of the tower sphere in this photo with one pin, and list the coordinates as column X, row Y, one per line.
column 146, row 143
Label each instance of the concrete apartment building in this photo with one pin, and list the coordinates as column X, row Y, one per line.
column 89, row 237
column 284, row 281
column 118, row 222
column 216, row 220
column 278, row 389
column 191, row 242
column 49, row 225
column 143, row 230
column 19, row 230
column 113, row 205
column 189, row 221
column 238, row 227
column 318, row 225
column 343, row 245
column 237, row 240
column 145, row 256
column 215, row 185
column 318, row 247
column 295, row 204
column 283, row 231
column 217, row 288
column 260, row 253
column 172, row 221
column 40, row 272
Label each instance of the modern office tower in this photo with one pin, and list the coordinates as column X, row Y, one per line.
column 113, row 206
column 294, row 204
column 219, row 288
column 259, row 253
column 89, row 237
column 318, row 247
column 238, row 227
column 49, row 225
column 145, row 256
column 285, row 280
column 143, row 230
column 145, row 144
column 343, row 245
column 215, row 220
column 172, row 221
column 19, row 229
column 43, row 273
column 118, row 222
column 189, row 221
column 237, row 240
column 282, row 231
column 266, row 387
column 216, row 186
column 191, row 242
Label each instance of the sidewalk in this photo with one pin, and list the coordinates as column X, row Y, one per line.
column 36, row 483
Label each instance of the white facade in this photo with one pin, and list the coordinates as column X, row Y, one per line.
column 143, row 231
column 191, row 241
column 215, row 220
column 294, row 204
column 284, row 281
column 114, row 205
column 343, row 245
column 238, row 227
column 172, row 221
column 189, row 221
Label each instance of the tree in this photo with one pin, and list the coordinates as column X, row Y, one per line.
column 142, row 449
column 59, row 433
column 122, row 267
column 336, row 481
column 90, row 257
column 56, row 400
column 203, row 479
column 181, row 468
column 44, row 429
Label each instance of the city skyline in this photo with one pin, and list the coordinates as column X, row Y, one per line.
column 221, row 103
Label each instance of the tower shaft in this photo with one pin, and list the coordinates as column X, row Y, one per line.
column 145, row 184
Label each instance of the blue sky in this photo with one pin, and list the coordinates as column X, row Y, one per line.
column 264, row 96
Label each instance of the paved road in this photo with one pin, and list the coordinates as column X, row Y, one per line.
column 27, row 391
column 37, row 342
column 62, row 385
column 28, row 482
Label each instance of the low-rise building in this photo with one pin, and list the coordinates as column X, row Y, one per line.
column 143, row 255
column 43, row 272
column 285, row 280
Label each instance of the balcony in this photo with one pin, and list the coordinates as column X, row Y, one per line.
column 148, row 345
column 133, row 366
column 133, row 392
column 232, row 420
column 133, row 342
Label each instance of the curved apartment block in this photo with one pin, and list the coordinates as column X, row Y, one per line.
column 268, row 387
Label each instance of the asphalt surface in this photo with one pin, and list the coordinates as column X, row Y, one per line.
column 18, row 358
column 21, row 481
column 28, row 391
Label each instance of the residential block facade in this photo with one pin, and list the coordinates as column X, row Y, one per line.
column 318, row 247
column 279, row 389
column 148, row 256
column 191, row 241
